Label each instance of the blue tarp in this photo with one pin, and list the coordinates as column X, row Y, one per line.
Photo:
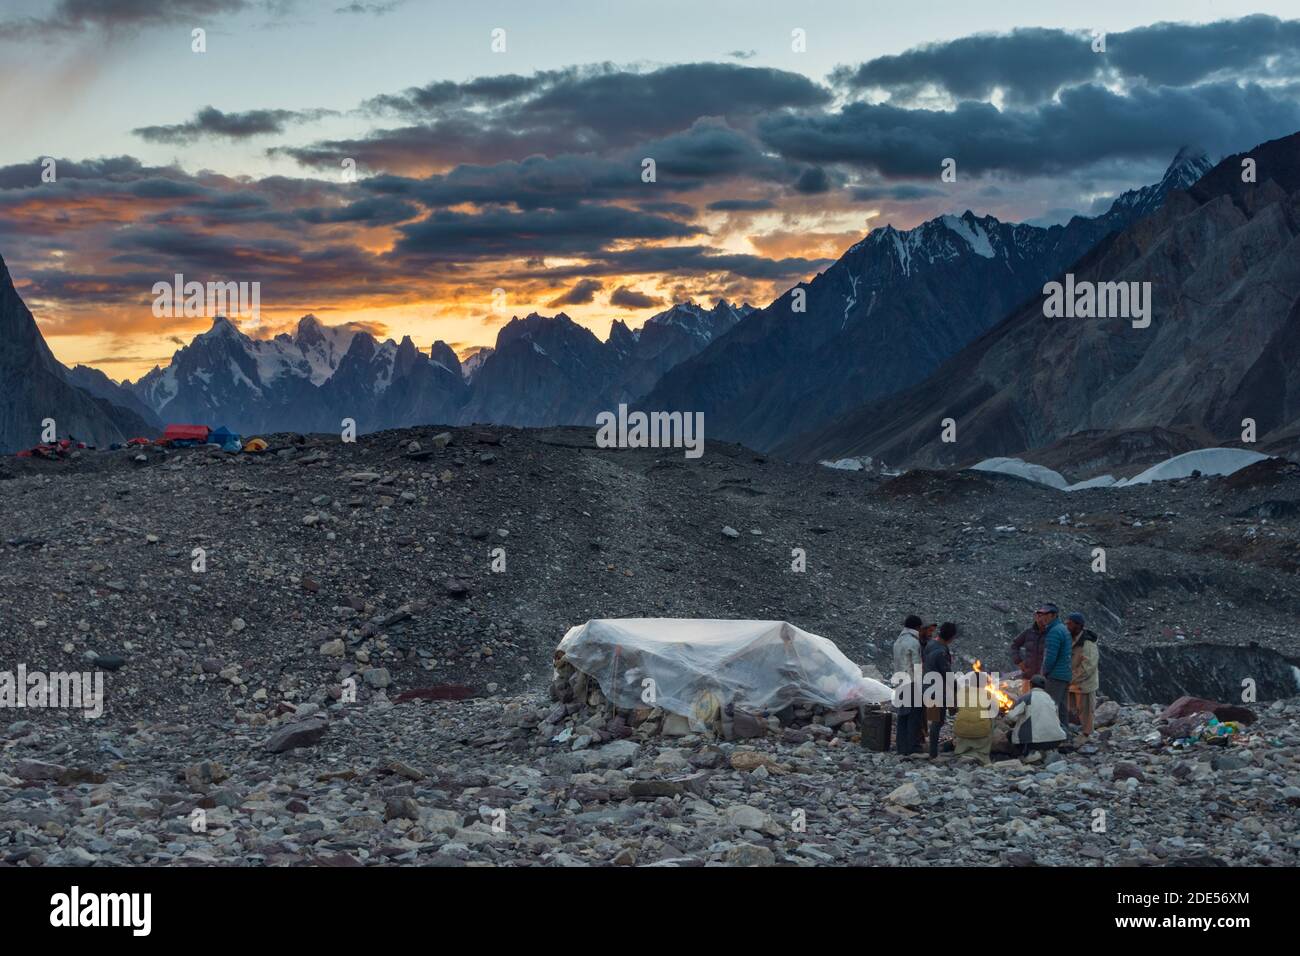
column 227, row 439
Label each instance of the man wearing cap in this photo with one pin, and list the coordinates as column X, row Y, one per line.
column 1027, row 652
column 1057, row 651
column 1083, row 680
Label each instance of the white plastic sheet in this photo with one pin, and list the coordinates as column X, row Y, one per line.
column 691, row 667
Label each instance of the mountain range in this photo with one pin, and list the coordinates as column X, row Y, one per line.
column 542, row 371
column 1223, row 346
column 942, row 318
column 884, row 316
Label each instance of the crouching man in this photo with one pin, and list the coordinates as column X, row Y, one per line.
column 1035, row 721
column 972, row 731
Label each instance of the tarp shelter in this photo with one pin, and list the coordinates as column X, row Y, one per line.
column 698, row 666
column 224, row 437
column 191, row 433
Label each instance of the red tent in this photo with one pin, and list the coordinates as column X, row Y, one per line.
column 186, row 433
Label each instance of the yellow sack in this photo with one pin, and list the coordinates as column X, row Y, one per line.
column 255, row 446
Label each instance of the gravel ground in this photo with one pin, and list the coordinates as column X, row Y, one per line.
column 326, row 561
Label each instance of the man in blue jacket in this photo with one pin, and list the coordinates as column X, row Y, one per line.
column 1057, row 651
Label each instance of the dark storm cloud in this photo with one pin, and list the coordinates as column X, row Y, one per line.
column 684, row 161
column 812, row 180
column 580, row 109
column 581, row 293
column 741, row 205
column 1088, row 124
column 211, row 121
column 1031, row 64
column 112, row 16
column 501, row 233
column 679, row 261
column 371, row 211
column 904, row 192
column 434, row 98
column 625, row 298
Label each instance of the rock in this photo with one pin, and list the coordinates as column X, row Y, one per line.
column 38, row 770
column 439, row 820
column 749, row 854
column 1107, row 713
column 618, row 754
column 401, row 808
column 200, row 776
column 675, row 725
column 653, row 789
column 304, row 733
column 1186, row 706
column 1229, row 761
column 334, row 648
column 378, row 678
column 905, row 795
column 1128, row 771
column 746, row 817
column 730, row 532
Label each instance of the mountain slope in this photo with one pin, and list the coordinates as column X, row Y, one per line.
column 34, row 386
column 886, row 314
column 552, row 371
column 99, row 385
column 1223, row 345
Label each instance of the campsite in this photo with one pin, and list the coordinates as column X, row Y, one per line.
column 350, row 678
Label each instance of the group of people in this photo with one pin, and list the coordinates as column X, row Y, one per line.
column 1057, row 664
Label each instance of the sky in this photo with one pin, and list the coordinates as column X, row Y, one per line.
column 499, row 148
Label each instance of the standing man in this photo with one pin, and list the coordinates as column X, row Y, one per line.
column 1027, row 652
column 1057, row 651
column 1084, row 678
column 938, row 661
column 907, row 695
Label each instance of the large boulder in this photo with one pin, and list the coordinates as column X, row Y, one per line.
column 1186, row 706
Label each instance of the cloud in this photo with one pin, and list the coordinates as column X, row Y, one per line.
column 625, row 298
column 372, row 9
column 1030, row 65
column 1086, row 125
column 117, row 16
column 741, row 205
column 581, row 294
column 587, row 109
column 903, row 192
column 210, row 121
column 502, row 233
column 812, row 180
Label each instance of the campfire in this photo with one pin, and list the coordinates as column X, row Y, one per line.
column 999, row 692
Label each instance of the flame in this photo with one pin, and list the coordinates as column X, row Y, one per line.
column 1005, row 701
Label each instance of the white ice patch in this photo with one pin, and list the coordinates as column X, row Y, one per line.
column 1023, row 469
column 1208, row 461
column 974, row 235
column 847, row 464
